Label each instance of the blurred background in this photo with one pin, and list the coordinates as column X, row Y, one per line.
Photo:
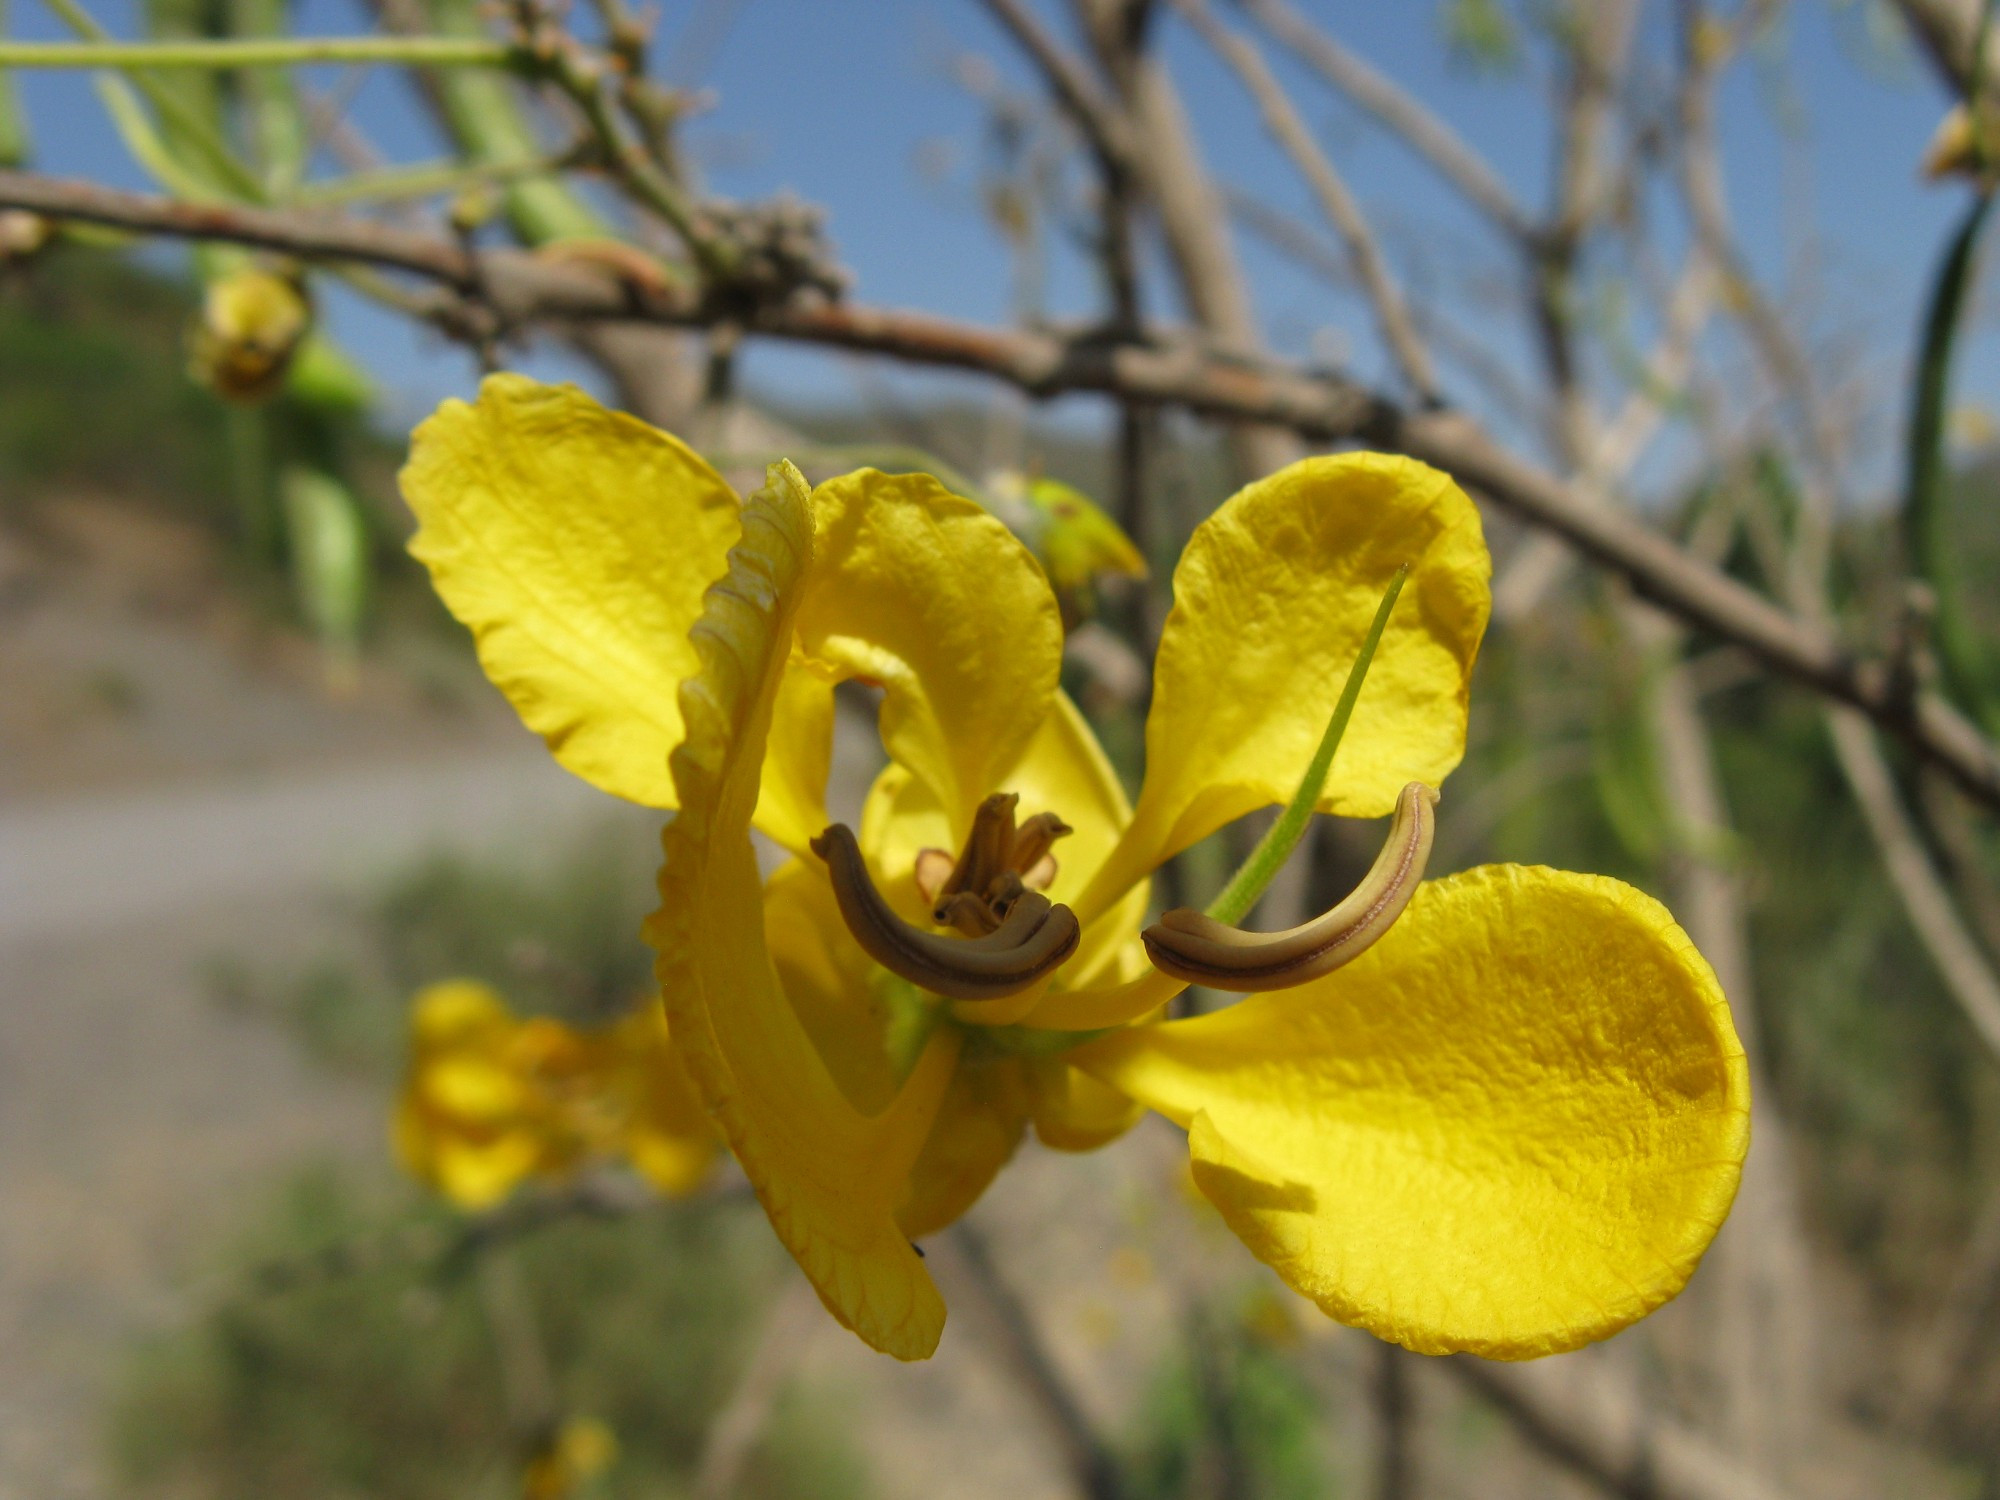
column 1712, row 273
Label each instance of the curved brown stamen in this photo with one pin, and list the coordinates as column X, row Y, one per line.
column 1032, row 939
column 1201, row 950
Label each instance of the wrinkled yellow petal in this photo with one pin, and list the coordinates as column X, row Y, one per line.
column 1271, row 600
column 984, row 1116
column 575, row 543
column 1511, row 1127
column 928, row 595
column 831, row 1178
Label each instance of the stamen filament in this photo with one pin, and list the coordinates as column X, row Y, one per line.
column 1261, row 868
column 1033, row 939
column 1201, row 950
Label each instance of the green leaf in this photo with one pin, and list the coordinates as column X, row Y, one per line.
column 1928, row 532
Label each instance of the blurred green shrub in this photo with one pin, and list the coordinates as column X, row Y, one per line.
column 1229, row 1413
column 386, row 1382
column 559, row 939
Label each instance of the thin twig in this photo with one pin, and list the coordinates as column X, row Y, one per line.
column 1576, row 1413
column 1957, row 1329
column 1926, row 900
column 733, row 1432
column 1402, row 113
column 1020, row 1343
column 1288, row 128
column 1070, row 80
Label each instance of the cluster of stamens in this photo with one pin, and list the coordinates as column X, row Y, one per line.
column 1013, row 936
column 1000, row 861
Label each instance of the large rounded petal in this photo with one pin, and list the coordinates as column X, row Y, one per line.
column 928, row 595
column 1272, row 598
column 1510, row 1128
column 830, row 1177
column 575, row 542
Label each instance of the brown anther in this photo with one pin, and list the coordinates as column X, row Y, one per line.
column 970, row 914
column 1035, row 838
column 1201, row 950
column 1027, row 944
column 999, row 862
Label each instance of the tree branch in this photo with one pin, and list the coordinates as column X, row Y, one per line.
column 523, row 288
column 1575, row 1413
column 1070, row 79
column 1019, row 1343
column 1400, row 112
column 1285, row 125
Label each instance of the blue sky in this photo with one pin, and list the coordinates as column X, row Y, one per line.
column 853, row 105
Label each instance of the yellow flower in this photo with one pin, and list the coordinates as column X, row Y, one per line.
column 492, row 1099
column 252, row 322
column 573, row 1454
column 1510, row 1123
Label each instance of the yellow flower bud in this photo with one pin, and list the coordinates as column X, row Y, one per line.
column 252, row 323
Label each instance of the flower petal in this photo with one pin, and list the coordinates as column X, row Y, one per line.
column 791, row 805
column 1073, row 1111
column 928, row 595
column 575, row 543
column 1510, row 1128
column 836, row 990
column 1271, row 600
column 830, row 1177
column 985, row 1114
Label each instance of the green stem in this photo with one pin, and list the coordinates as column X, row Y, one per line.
column 258, row 52
column 277, row 123
column 13, row 124
column 250, row 478
column 231, row 175
column 1257, row 872
column 482, row 110
column 1926, row 510
column 420, row 180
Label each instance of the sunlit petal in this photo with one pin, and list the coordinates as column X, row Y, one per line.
column 1271, row 600
column 830, row 1178
column 575, row 543
column 1512, row 1127
column 928, row 595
